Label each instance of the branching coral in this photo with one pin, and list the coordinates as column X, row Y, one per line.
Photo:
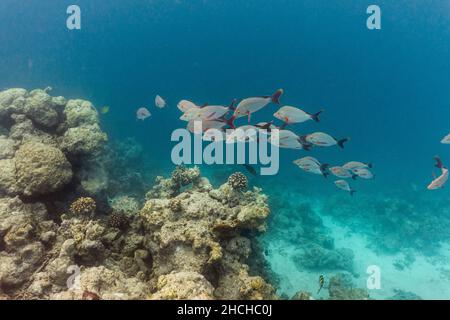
column 83, row 206
column 238, row 181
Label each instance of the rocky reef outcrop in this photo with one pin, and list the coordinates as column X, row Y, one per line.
column 42, row 139
column 193, row 250
column 68, row 231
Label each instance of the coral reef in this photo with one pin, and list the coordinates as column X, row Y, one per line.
column 404, row 295
column 41, row 169
column 341, row 288
column 118, row 220
column 189, row 240
column 83, row 206
column 301, row 226
column 38, row 141
column 238, row 181
column 79, row 221
column 302, row 295
column 199, row 232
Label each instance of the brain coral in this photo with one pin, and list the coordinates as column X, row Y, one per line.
column 41, row 169
column 80, row 112
column 84, row 140
column 39, row 108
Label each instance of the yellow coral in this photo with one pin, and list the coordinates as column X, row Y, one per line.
column 83, row 206
column 216, row 252
column 257, row 283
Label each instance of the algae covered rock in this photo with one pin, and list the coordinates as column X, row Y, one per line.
column 39, row 108
column 84, row 140
column 8, row 182
column 80, row 113
column 11, row 100
column 7, row 148
column 341, row 288
column 183, row 286
column 41, row 169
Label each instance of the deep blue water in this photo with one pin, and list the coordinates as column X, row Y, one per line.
column 388, row 90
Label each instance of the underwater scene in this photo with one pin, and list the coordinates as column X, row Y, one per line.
column 224, row 149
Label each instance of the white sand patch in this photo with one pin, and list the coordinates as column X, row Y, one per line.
column 425, row 277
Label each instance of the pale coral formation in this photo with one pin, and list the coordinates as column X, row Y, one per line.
column 84, row 140
column 7, row 148
column 341, row 288
column 183, row 285
column 80, row 113
column 194, row 239
column 125, row 204
column 161, row 253
column 41, row 169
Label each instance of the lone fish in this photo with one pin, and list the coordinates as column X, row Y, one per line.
column 251, row 105
column 343, row 185
column 160, row 102
column 104, row 110
column 440, row 181
column 142, row 114
column 324, row 140
column 321, row 283
column 291, row 115
column 446, row 139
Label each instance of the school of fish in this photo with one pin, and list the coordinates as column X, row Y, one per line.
column 217, row 119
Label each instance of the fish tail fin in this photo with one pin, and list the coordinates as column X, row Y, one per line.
column 265, row 126
column 232, row 105
column 341, row 142
column 230, row 122
column 324, row 169
column 352, row 192
column 276, row 96
column 438, row 162
column 318, row 291
column 307, row 147
column 315, row 116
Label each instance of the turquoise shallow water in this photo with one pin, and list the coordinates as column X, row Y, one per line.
column 387, row 90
